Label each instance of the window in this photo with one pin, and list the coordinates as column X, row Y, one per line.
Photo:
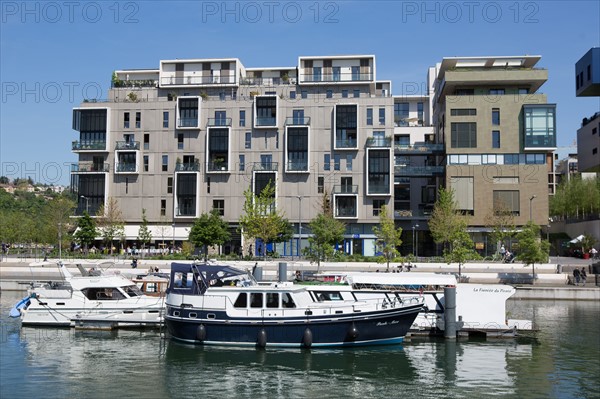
column 344, row 93
column 146, row 162
column 320, row 184
column 401, row 114
column 242, row 117
column 377, row 205
column 382, row 116
column 496, row 92
column 208, row 185
column 539, row 122
column 292, row 94
column 495, row 116
column 356, row 93
column 126, row 120
column 329, row 93
column 420, row 113
column 272, row 300
column 219, row 206
column 256, row 300
column 370, row 116
column 165, row 119
column 317, row 74
column 248, row 140
column 326, row 162
column 241, row 301
column 523, row 91
column 463, row 192
column 146, row 141
column 355, row 73
column 298, row 117
column 495, row 139
column 163, row 207
column 304, row 94
column 589, row 72
column 463, row 112
column 349, row 163
column 222, row 95
column 169, row 185
column 180, row 141
column 464, row 92
column 336, row 162
column 507, row 200
column 242, row 162
column 138, row 120
column 165, row 163
column 463, row 135
column 336, row 73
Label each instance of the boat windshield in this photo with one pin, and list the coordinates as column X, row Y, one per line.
column 132, row 290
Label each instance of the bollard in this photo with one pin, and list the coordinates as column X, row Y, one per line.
column 282, row 271
column 450, row 312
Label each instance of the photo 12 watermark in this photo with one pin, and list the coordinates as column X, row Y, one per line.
column 271, row 12
column 454, row 12
column 54, row 12
column 49, row 92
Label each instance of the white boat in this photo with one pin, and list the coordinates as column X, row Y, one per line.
column 93, row 300
column 479, row 307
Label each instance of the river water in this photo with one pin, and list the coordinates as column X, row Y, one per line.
column 563, row 361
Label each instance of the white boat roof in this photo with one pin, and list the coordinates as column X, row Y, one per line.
column 406, row 278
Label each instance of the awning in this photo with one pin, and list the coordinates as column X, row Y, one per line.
column 576, row 239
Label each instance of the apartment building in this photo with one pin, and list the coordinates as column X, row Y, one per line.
column 499, row 136
column 195, row 134
column 587, row 84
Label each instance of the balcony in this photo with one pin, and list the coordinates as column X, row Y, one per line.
column 336, row 77
column 196, row 80
column 252, row 81
column 345, row 189
column 89, row 167
column 265, row 166
column 297, row 166
column 379, row 142
column 187, row 167
column 88, row 146
column 187, row 122
column 418, row 171
column 126, row 167
column 346, row 144
column 266, row 121
column 418, row 148
column 127, row 145
column 212, row 122
column 412, row 214
column 297, row 121
column 134, row 83
column 217, row 166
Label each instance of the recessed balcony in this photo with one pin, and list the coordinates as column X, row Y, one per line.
column 126, row 167
column 384, row 142
column 345, row 189
column 297, row 121
column 418, row 171
column 187, row 167
column 90, row 167
column 265, row 166
column 127, row 145
column 419, row 148
column 83, row 146
column 212, row 122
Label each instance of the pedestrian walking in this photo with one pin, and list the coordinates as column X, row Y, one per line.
column 583, row 276
column 576, row 276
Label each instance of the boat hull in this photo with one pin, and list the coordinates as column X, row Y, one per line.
column 369, row 328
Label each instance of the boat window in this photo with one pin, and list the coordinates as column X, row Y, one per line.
column 103, row 294
column 241, row 301
column 182, row 280
column 287, row 301
column 328, row 296
column 132, row 290
column 256, row 300
column 272, row 300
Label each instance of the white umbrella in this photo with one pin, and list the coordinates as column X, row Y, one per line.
column 576, row 239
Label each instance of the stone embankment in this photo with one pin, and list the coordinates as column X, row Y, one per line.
column 553, row 281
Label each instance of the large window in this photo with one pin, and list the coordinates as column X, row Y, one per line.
column 369, row 116
column 539, row 124
column 463, row 135
column 463, row 191
column 401, row 114
column 507, row 200
column 495, row 139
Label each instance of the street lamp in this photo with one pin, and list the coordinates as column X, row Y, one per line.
column 87, row 204
column 59, row 241
column 299, row 227
column 530, row 200
column 415, row 251
column 173, row 225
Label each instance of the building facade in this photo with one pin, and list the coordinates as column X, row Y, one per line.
column 194, row 135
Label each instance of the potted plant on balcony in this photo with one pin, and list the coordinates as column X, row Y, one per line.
column 132, row 97
column 219, row 163
column 204, row 95
column 285, row 78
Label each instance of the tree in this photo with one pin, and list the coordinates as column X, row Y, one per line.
column 388, row 236
column 501, row 222
column 326, row 231
column 57, row 217
column 462, row 246
column 86, row 231
column 532, row 249
column 575, row 198
column 261, row 219
column 4, row 180
column 144, row 234
column 444, row 221
column 208, row 230
column 110, row 221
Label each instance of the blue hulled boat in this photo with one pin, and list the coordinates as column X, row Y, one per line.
column 223, row 305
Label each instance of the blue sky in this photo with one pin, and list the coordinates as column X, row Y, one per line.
column 53, row 54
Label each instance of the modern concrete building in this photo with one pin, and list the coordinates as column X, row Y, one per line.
column 587, row 84
column 499, row 136
column 193, row 135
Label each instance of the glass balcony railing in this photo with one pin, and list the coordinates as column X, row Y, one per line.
column 126, row 167
column 345, row 212
column 379, row 142
column 265, row 166
column 411, row 213
column 196, row 80
column 266, row 121
column 540, row 141
column 297, row 166
column 219, row 122
column 187, row 167
column 345, row 143
column 88, row 145
column 336, row 77
column 418, row 148
column 217, row 166
column 345, row 189
column 297, row 121
column 127, row 145
column 407, row 170
column 89, row 167
column 187, row 122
